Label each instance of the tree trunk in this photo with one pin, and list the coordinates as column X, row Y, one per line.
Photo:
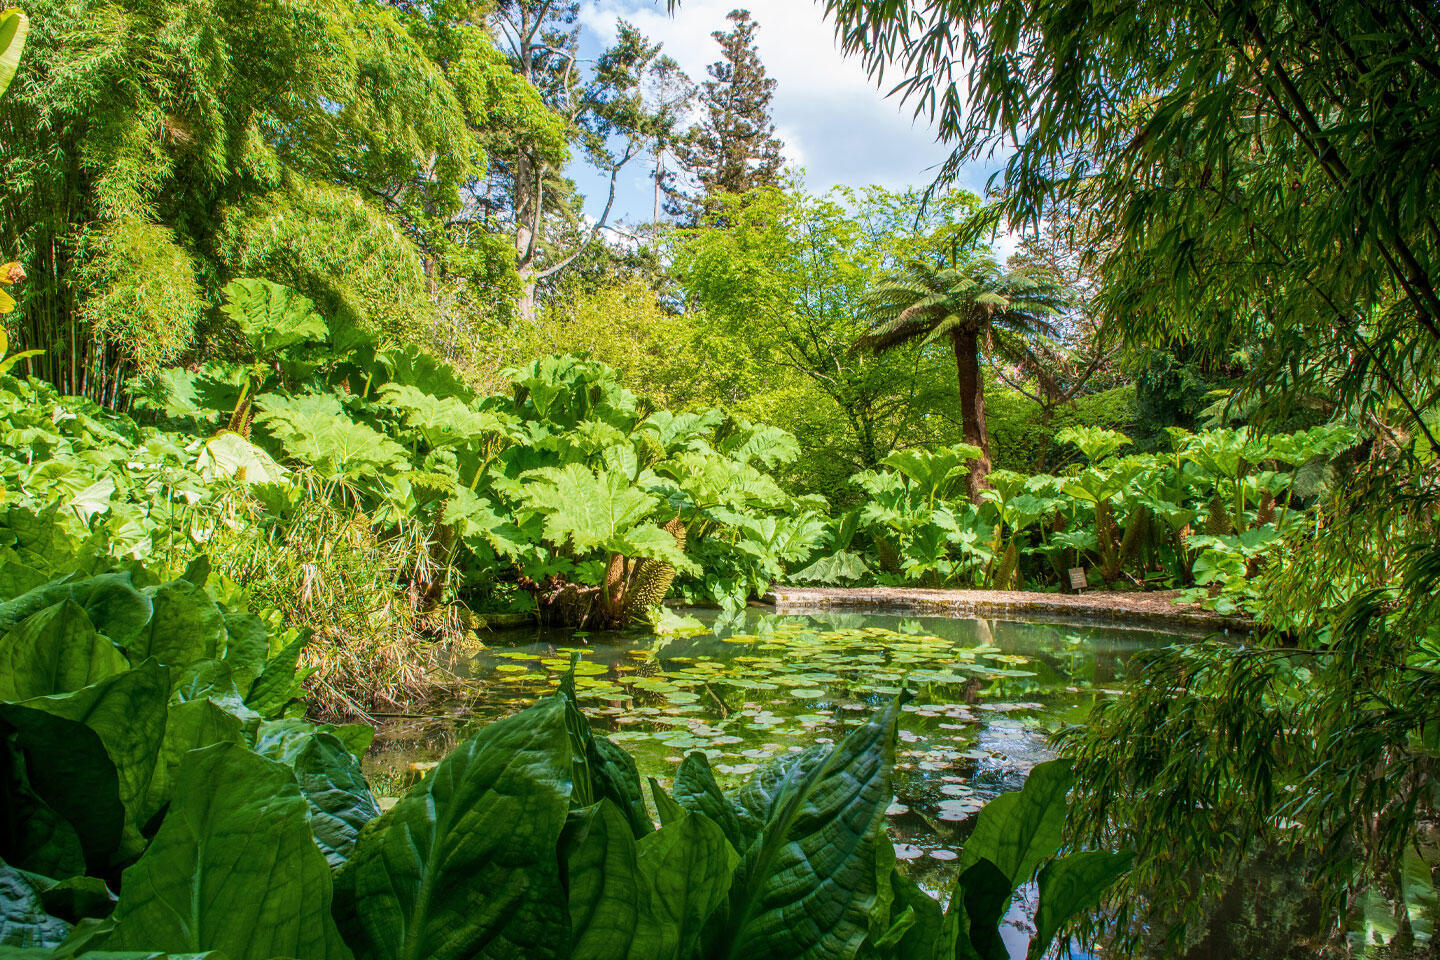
column 972, row 406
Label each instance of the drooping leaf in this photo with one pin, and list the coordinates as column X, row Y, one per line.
column 1070, row 886
column 33, row 835
column 465, row 864
column 232, row 868
column 687, row 866
column 189, row 725
column 13, row 27
column 606, row 890
column 115, row 608
column 91, row 754
column 277, row 685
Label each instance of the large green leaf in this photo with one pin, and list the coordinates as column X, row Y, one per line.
column 646, row 899
column 277, row 686
column 185, row 626
column 91, row 754
column 23, row 920
column 247, row 647
column 605, row 886
column 807, row 882
column 1071, row 885
column 465, row 865
column 1016, row 831
column 33, row 835
column 935, row 473
column 317, row 430
column 190, row 725
column 55, row 651
column 687, row 867
column 227, row 454
column 114, row 606
column 13, row 27
column 232, row 868
column 272, row 317
column 695, row 789
column 585, row 508
column 340, row 800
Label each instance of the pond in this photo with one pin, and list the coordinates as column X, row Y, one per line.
column 986, row 694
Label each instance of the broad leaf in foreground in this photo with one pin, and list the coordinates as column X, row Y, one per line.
column 646, row 899
column 807, row 882
column 232, row 868
column 91, row 754
column 1071, row 885
column 55, row 651
column 340, row 800
column 465, row 865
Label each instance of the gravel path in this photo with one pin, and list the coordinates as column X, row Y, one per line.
column 1156, row 608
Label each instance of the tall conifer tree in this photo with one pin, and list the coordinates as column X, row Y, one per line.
column 734, row 148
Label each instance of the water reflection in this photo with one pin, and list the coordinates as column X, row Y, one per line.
column 986, row 695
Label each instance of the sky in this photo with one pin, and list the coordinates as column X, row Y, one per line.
column 836, row 123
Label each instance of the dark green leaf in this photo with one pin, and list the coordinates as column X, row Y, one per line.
column 55, row 650
column 1016, row 831
column 1070, row 886
column 23, row 920
column 232, row 868
column 695, row 789
column 340, row 800
column 114, row 606
column 91, row 754
column 465, row 865
column 185, row 626
column 807, row 883
column 277, row 685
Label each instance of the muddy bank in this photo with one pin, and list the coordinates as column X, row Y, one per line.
column 1154, row 609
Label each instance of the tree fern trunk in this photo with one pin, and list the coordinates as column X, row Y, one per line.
column 972, row 406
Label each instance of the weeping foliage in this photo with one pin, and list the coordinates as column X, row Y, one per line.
column 1256, row 170
column 154, row 149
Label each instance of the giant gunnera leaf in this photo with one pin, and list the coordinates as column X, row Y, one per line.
column 465, row 865
column 233, row 868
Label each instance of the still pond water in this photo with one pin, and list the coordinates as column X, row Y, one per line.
column 986, row 695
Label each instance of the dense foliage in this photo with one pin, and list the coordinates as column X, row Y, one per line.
column 1205, row 513
column 160, row 795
